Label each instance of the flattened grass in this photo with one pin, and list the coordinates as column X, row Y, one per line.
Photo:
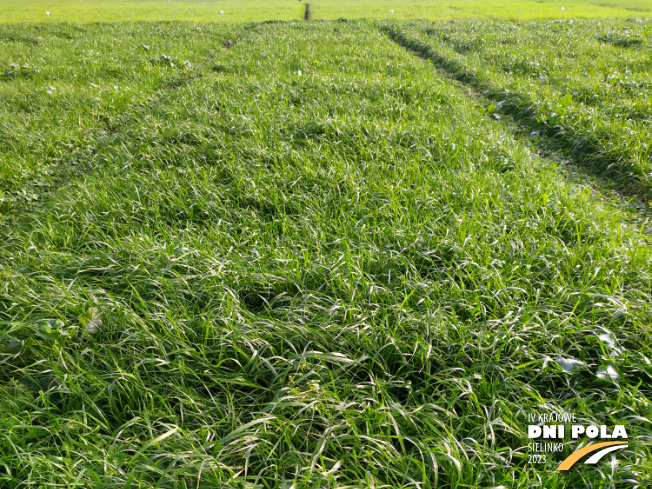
column 317, row 264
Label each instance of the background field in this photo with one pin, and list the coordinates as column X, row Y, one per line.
column 259, row 10
column 325, row 254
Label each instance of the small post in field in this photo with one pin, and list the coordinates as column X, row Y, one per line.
column 306, row 15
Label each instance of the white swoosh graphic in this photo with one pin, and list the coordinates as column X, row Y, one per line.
column 596, row 457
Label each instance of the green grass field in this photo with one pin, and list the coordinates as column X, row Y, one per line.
column 587, row 89
column 260, row 10
column 325, row 254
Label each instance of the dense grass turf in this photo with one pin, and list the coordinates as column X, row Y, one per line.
column 66, row 88
column 259, row 10
column 301, row 258
column 583, row 83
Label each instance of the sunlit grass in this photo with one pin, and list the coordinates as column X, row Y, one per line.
column 294, row 254
column 584, row 84
column 259, row 10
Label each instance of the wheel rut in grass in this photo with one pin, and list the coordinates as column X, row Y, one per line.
column 605, row 173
